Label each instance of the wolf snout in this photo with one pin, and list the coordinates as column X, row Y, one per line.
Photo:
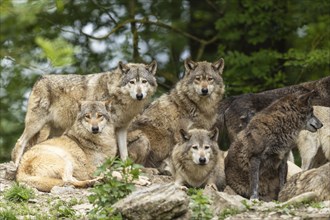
column 95, row 129
column 205, row 91
column 202, row 160
column 139, row 96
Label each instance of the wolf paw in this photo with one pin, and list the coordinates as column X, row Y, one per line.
column 184, row 188
column 142, row 181
column 254, row 198
column 211, row 186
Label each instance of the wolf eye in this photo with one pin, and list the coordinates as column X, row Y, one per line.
column 144, row 81
column 99, row 115
column 198, row 78
column 207, row 147
column 88, row 116
column 194, row 147
column 210, row 78
column 131, row 82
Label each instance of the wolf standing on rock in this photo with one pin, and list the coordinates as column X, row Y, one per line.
column 194, row 98
column 73, row 157
column 256, row 164
column 52, row 109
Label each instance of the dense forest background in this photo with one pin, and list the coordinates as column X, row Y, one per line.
column 266, row 44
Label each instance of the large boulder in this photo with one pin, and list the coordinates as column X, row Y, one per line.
column 221, row 201
column 156, row 202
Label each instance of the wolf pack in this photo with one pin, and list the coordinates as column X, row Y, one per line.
column 74, row 123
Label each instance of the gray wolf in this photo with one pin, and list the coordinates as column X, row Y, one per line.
column 235, row 112
column 51, row 108
column 197, row 161
column 314, row 180
column 73, row 157
column 256, row 164
column 195, row 97
column 310, row 144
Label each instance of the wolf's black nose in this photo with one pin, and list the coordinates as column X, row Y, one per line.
column 205, row 91
column 139, row 96
column 202, row 160
column 95, row 130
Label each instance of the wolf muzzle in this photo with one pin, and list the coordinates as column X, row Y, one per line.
column 139, row 96
column 95, row 129
column 205, row 91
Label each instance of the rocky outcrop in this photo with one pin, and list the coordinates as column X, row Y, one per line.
column 221, row 201
column 156, row 202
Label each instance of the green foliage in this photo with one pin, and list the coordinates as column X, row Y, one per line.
column 7, row 215
column 228, row 212
column 113, row 188
column 200, row 204
column 19, row 193
column 63, row 209
column 59, row 51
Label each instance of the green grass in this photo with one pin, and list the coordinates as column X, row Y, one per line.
column 18, row 193
column 200, row 204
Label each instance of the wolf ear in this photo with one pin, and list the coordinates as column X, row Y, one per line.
column 219, row 65
column 214, row 134
column 185, row 135
column 189, row 65
column 107, row 105
column 123, row 67
column 152, row 67
column 305, row 99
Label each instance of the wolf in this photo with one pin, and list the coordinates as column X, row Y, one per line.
column 312, row 144
column 256, row 164
column 235, row 112
column 197, row 161
column 73, row 157
column 314, row 180
column 51, row 108
column 194, row 97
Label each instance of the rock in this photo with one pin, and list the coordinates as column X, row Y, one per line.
column 8, row 171
column 82, row 209
column 62, row 190
column 221, row 201
column 156, row 202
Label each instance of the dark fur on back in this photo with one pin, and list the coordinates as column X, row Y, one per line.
column 267, row 140
column 236, row 112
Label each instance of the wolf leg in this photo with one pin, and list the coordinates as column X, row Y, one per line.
column 30, row 132
column 283, row 171
column 138, row 146
column 308, row 149
column 254, row 177
column 121, row 134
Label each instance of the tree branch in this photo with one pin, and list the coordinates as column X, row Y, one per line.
column 156, row 23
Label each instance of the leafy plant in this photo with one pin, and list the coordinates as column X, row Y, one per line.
column 7, row 215
column 19, row 193
column 200, row 204
column 113, row 187
column 228, row 212
column 63, row 209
